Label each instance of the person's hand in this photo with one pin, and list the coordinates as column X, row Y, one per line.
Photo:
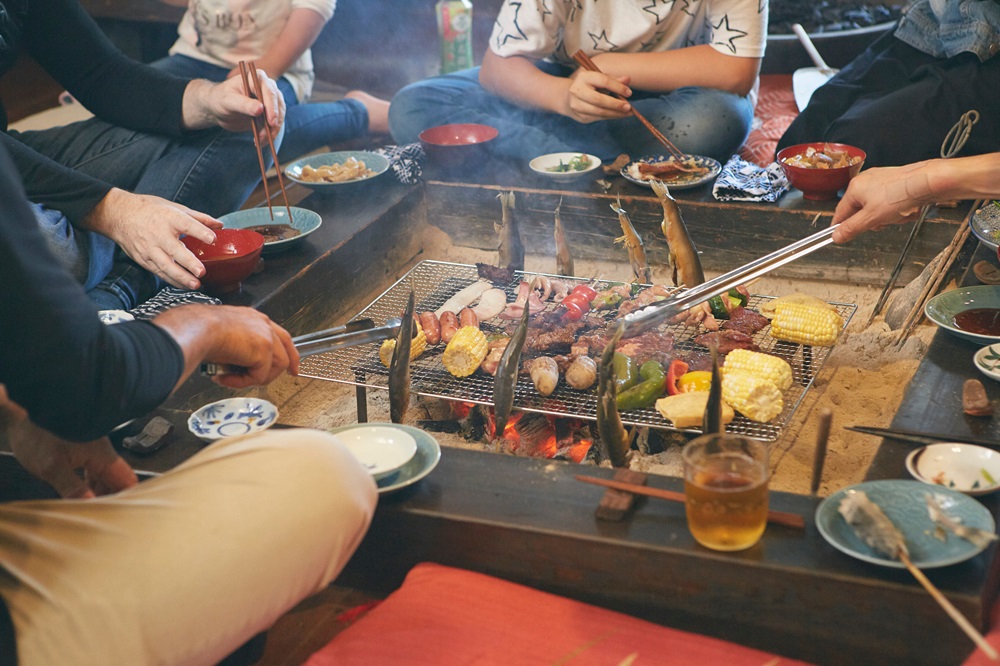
column 238, row 336
column 55, row 460
column 586, row 101
column 877, row 198
column 149, row 228
column 226, row 105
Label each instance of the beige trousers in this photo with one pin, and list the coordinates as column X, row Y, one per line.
column 186, row 567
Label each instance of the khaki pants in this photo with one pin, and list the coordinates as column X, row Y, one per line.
column 186, row 567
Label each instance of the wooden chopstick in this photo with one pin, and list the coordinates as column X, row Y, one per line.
column 246, row 67
column 584, row 61
column 777, row 517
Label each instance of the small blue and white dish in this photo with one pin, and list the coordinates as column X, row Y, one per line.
column 232, row 417
column 297, row 171
column 276, row 233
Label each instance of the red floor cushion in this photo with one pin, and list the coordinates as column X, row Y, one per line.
column 774, row 113
column 443, row 616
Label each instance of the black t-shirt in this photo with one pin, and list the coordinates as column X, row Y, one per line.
column 70, row 46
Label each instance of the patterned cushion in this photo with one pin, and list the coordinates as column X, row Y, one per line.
column 443, row 616
column 774, row 113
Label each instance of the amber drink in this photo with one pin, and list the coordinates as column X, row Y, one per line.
column 725, row 489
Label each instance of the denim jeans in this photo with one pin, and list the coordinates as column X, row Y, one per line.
column 699, row 121
column 307, row 126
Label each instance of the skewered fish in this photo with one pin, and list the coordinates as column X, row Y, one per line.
column 943, row 521
column 872, row 526
column 399, row 366
column 633, row 243
column 684, row 259
column 614, row 438
column 505, row 379
column 511, row 248
column 564, row 260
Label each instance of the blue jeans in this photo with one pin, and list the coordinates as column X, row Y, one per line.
column 699, row 121
column 307, row 126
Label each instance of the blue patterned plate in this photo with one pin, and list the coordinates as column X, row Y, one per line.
column 420, row 465
column 905, row 504
column 682, row 181
column 231, row 417
column 303, row 220
column 378, row 164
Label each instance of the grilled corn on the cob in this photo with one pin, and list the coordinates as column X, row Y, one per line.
column 772, row 368
column 806, row 324
column 754, row 397
column 417, row 346
column 465, row 352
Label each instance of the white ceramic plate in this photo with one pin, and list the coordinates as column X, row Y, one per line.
column 987, row 361
column 381, row 448
column 231, row 417
column 550, row 165
column 967, row 468
column 904, row 502
column 423, row 463
column 681, row 181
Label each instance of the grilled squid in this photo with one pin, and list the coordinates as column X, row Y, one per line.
column 581, row 373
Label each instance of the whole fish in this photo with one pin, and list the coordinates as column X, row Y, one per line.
column 615, row 441
column 564, row 260
column 399, row 366
column 684, row 258
column 505, row 378
column 636, row 250
column 871, row 525
column 511, row 248
column 712, row 420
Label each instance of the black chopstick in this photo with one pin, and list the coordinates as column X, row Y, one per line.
column 923, row 437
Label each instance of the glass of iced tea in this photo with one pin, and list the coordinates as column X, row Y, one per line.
column 725, row 490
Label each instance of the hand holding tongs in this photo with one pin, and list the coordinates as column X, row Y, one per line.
column 358, row 332
column 652, row 315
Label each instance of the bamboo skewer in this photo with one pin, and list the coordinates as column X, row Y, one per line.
column 584, row 61
column 777, row 517
column 254, row 91
column 942, row 601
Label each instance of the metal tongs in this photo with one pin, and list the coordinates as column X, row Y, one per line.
column 652, row 315
column 351, row 334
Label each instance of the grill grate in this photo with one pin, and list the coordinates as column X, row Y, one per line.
column 433, row 282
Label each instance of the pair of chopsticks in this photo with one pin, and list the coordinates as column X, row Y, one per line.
column 777, row 517
column 584, row 61
column 653, row 314
column 248, row 68
column 923, row 437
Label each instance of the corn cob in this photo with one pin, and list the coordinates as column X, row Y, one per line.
column 806, row 324
column 465, row 352
column 754, row 397
column 774, row 369
column 417, row 346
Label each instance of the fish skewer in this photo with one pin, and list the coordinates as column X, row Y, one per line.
column 399, row 366
column 511, row 248
column 564, row 260
column 876, row 529
column 684, row 260
column 634, row 245
column 505, row 379
column 613, row 436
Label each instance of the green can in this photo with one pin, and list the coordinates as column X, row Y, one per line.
column 454, row 19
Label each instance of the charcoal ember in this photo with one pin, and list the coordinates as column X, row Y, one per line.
column 727, row 340
column 745, row 320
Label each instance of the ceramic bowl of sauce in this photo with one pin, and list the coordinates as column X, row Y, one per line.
column 279, row 234
column 971, row 313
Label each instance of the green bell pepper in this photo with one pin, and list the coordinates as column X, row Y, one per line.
column 626, row 371
column 647, row 391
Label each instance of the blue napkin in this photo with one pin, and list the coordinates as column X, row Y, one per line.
column 406, row 161
column 744, row 181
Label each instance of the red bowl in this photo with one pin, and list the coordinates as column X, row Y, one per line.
column 232, row 257
column 454, row 145
column 816, row 183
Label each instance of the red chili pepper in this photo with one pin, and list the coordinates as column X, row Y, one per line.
column 674, row 372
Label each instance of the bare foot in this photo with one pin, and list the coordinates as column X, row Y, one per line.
column 378, row 111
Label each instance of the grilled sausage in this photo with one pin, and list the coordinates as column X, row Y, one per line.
column 449, row 326
column 432, row 327
column 468, row 318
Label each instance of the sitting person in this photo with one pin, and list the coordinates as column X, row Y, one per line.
column 277, row 35
column 899, row 99
column 690, row 70
column 186, row 566
column 161, row 157
column 876, row 198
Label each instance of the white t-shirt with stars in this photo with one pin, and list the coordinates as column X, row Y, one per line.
column 556, row 29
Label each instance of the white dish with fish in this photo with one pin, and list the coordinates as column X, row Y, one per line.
column 905, row 504
column 708, row 170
